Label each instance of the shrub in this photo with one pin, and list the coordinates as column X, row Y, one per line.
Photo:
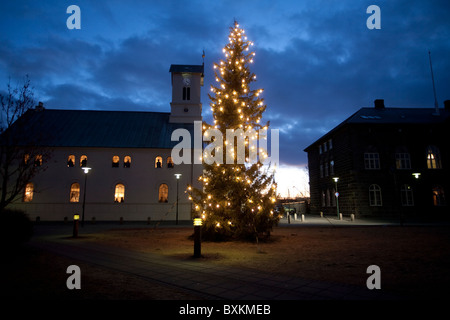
column 15, row 228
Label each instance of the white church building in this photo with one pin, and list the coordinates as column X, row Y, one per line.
column 131, row 176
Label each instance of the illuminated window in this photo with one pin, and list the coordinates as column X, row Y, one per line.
column 371, row 160
column 407, row 195
column 26, row 158
column 83, row 161
column 115, row 161
column 163, row 193
column 28, row 194
column 169, row 162
column 38, row 160
column 433, row 158
column 438, row 196
column 402, row 161
column 127, row 162
column 375, row 195
column 70, row 161
column 119, row 194
column 75, row 192
column 158, row 162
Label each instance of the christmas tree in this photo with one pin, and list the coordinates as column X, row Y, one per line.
column 239, row 193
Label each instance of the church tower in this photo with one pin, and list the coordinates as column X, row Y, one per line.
column 187, row 81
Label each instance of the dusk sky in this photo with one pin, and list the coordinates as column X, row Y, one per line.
column 316, row 60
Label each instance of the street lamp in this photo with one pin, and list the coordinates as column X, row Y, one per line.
column 86, row 170
column 337, row 195
column 177, row 175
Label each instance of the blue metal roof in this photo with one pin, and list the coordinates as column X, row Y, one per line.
column 108, row 129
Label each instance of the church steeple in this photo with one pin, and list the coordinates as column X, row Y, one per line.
column 186, row 106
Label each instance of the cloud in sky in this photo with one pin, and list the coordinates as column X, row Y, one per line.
column 316, row 60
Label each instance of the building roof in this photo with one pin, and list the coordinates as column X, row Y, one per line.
column 385, row 116
column 180, row 68
column 108, row 129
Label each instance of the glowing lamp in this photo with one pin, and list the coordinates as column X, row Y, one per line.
column 76, row 217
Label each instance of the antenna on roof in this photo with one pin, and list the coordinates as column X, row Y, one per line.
column 436, row 106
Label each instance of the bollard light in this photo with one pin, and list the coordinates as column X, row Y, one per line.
column 197, row 237
column 198, row 222
column 76, row 218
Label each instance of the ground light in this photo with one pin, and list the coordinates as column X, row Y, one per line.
column 197, row 237
column 177, row 175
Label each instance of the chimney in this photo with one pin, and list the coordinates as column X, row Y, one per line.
column 40, row 106
column 379, row 104
column 447, row 104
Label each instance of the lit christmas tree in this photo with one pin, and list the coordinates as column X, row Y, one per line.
column 239, row 192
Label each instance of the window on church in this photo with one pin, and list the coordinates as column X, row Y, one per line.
column 70, row 161
column 163, row 193
column 186, row 93
column 406, row 195
column 433, row 158
column 169, row 162
column 127, row 162
column 402, row 161
column 83, row 161
column 75, row 192
column 28, row 194
column 158, row 162
column 115, row 161
column 375, row 196
column 119, row 193
column 38, row 160
column 438, row 196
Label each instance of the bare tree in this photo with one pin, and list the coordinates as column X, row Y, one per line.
column 21, row 154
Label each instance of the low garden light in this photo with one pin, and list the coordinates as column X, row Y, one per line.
column 197, row 237
column 76, row 218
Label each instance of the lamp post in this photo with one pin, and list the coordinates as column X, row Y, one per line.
column 337, row 195
column 197, row 237
column 86, row 170
column 177, row 175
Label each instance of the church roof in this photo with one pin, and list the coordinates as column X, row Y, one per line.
column 108, row 129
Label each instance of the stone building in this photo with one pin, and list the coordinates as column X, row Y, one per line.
column 387, row 162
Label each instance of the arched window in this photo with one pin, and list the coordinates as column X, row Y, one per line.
column 75, row 192
column 28, row 194
column 438, row 196
column 83, row 161
column 115, row 161
column 433, row 158
column 375, row 196
column 163, row 193
column 38, row 160
column 158, row 162
column 406, row 195
column 119, row 193
column 186, row 93
column 169, row 162
column 127, row 162
column 70, row 161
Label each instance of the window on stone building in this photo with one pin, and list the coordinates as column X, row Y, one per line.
column 70, row 161
column 26, row 158
column 331, row 167
column 127, row 162
column 158, row 162
column 169, row 162
column 433, row 158
column 371, row 160
column 38, row 160
column 119, row 193
column 406, row 195
column 375, row 196
column 438, row 196
column 402, row 161
column 75, row 192
column 115, row 161
column 328, row 198
column 28, row 193
column 83, row 161
column 163, row 193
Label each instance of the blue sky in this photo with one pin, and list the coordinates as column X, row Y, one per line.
column 316, row 60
